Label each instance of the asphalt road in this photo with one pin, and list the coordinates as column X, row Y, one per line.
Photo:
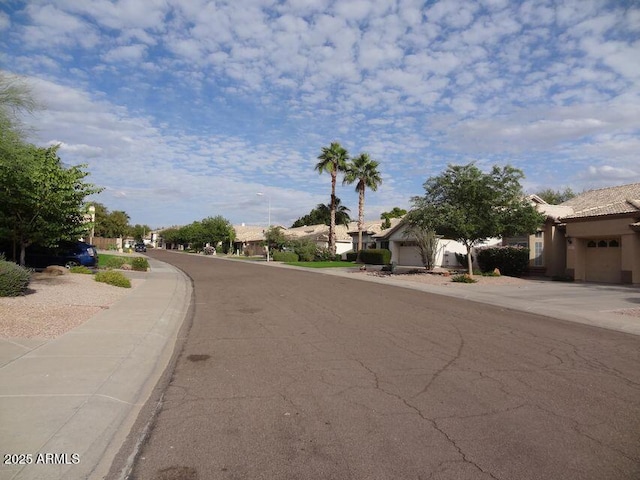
column 287, row 374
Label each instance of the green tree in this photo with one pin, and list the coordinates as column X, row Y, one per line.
column 138, row 232
column 42, row 200
column 15, row 98
column 396, row 212
column 333, row 159
column 218, row 230
column 555, row 197
column 275, row 238
column 470, row 206
column 364, row 173
column 118, row 224
column 322, row 215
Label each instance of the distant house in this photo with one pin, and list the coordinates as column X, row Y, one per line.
column 319, row 234
column 594, row 236
column 249, row 240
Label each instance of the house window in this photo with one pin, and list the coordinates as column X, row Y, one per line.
column 591, row 244
column 602, row 244
column 537, row 260
column 614, row 243
column 384, row 245
column 539, row 234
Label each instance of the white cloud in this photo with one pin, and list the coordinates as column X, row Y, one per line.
column 5, row 21
column 125, row 53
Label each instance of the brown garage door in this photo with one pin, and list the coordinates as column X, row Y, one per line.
column 603, row 261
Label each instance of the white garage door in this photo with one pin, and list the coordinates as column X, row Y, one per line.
column 603, row 261
column 408, row 255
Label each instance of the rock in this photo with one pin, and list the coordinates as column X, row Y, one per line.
column 126, row 266
column 55, row 270
column 496, row 272
column 363, row 268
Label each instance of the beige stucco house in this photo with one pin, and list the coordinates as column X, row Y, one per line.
column 593, row 237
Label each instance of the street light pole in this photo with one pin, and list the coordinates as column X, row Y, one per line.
column 260, row 194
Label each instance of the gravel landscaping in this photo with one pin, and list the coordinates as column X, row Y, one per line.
column 55, row 304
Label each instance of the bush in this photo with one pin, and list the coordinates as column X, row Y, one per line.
column 511, row 261
column 305, row 249
column 352, row 256
column 140, row 264
column 80, row 269
column 117, row 279
column 285, row 256
column 376, row 256
column 464, row 278
column 14, row 279
column 323, row 255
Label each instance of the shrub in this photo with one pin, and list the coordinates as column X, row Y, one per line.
column 140, row 264
column 464, row 278
column 377, row 256
column 305, row 249
column 323, row 255
column 14, row 279
column 511, row 261
column 80, row 269
column 352, row 256
column 285, row 256
column 117, row 279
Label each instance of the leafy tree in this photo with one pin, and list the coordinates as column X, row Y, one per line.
column 365, row 172
column 555, row 197
column 218, row 230
column 276, row 239
column 470, row 206
column 42, row 200
column 322, row 215
column 138, row 232
column 15, row 97
column 396, row 212
column 333, row 159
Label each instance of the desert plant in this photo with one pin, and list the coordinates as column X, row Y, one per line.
column 14, row 279
column 117, row 279
column 140, row 264
column 464, row 278
column 80, row 269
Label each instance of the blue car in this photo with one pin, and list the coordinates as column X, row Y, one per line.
column 64, row 253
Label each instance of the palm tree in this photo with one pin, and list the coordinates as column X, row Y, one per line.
column 333, row 159
column 365, row 172
column 342, row 212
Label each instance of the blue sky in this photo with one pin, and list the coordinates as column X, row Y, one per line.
column 184, row 109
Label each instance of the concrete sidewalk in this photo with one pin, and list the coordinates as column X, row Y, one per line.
column 77, row 396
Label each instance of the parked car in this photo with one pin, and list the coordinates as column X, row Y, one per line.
column 65, row 253
column 140, row 247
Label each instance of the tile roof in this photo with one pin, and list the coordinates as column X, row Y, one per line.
column 249, row 233
column 605, row 201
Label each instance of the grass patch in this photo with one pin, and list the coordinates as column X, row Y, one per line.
column 107, row 261
column 321, row 264
column 81, row 269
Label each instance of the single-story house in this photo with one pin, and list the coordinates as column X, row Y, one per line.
column 594, row 236
column 249, row 240
column 319, row 234
column 404, row 250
